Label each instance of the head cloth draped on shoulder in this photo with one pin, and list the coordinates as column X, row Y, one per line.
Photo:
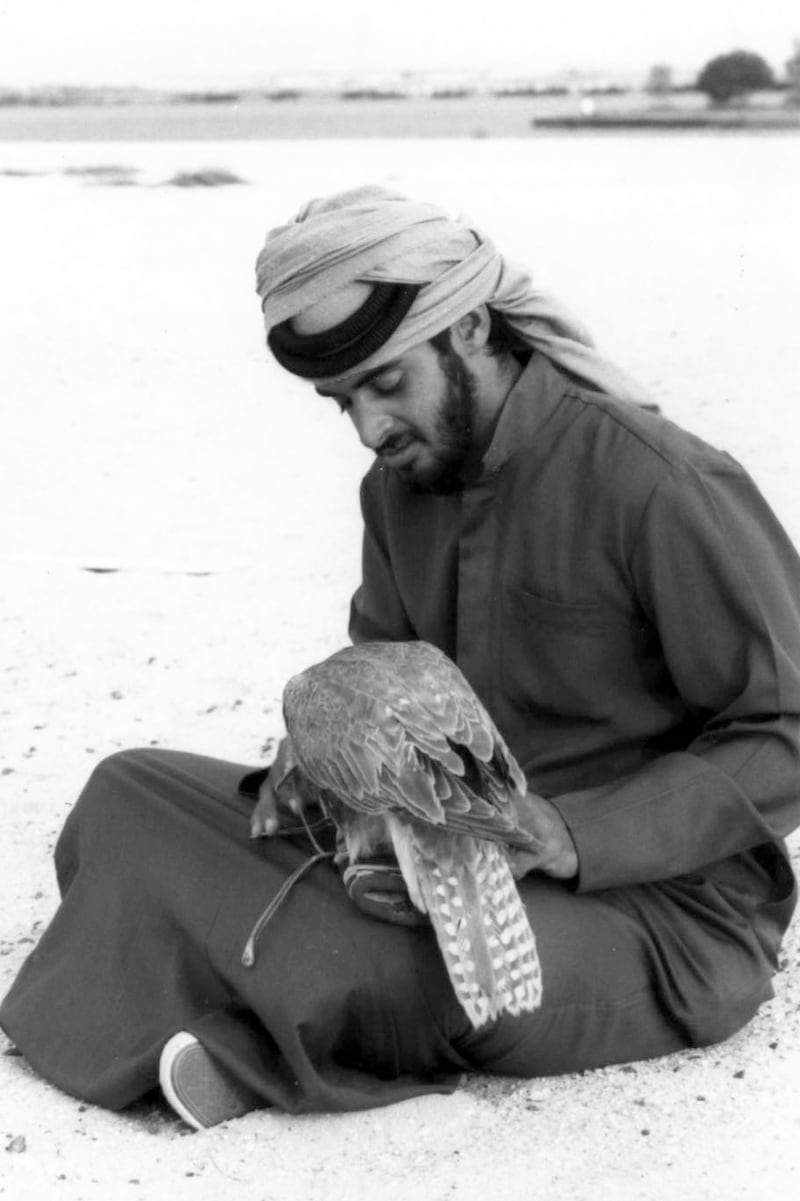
column 378, row 237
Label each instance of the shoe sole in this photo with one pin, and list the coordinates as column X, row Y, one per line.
column 199, row 1091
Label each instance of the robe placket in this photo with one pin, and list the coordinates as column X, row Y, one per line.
column 477, row 588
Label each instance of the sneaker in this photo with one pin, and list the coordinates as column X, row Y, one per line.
column 201, row 1092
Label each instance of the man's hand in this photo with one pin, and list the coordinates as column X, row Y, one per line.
column 556, row 855
column 278, row 799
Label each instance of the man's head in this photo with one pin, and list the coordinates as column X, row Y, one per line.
column 413, row 322
column 428, row 412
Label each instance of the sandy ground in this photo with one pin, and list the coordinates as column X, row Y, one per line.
column 144, row 432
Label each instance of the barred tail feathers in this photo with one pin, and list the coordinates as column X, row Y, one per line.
column 482, row 929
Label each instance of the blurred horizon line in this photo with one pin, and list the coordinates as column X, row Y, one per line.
column 406, row 81
column 660, row 78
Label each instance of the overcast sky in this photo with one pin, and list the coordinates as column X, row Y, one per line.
column 190, row 42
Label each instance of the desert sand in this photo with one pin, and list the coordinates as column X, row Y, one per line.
column 146, row 434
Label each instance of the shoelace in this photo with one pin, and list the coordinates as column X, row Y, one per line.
column 249, row 952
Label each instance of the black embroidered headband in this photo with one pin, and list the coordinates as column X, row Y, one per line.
column 343, row 346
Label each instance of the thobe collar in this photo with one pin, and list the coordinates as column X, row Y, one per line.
column 528, row 408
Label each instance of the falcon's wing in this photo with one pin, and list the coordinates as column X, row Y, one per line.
column 442, row 692
column 395, row 726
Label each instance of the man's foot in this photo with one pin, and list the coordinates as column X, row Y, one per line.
column 201, row 1092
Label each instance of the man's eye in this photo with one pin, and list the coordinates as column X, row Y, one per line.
column 343, row 402
column 387, row 385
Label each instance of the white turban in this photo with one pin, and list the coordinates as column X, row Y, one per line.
column 373, row 235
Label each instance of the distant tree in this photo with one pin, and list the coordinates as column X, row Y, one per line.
column 659, row 80
column 734, row 74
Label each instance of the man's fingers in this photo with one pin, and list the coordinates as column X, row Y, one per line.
column 555, row 852
column 264, row 820
column 522, row 862
column 271, row 804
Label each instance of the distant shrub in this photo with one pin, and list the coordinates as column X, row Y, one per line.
column 206, row 97
column 606, row 89
column 109, row 175
column 210, row 177
column 730, row 75
column 280, row 94
column 101, row 169
column 554, row 89
column 373, row 94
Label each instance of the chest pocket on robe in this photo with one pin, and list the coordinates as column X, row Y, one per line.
column 585, row 662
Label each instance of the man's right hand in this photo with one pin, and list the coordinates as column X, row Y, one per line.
column 278, row 800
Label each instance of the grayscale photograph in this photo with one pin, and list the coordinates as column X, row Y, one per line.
column 400, row 608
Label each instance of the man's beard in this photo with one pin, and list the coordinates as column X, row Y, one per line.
column 455, row 429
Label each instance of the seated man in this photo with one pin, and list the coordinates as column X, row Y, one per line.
column 627, row 607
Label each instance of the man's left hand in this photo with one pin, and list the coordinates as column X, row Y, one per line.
column 278, row 800
column 555, row 854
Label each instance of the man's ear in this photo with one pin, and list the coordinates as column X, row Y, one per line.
column 470, row 333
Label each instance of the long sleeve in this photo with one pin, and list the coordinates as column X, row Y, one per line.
column 720, row 582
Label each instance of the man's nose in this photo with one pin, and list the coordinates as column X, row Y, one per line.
column 372, row 425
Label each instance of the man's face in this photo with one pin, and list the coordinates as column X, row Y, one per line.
column 418, row 413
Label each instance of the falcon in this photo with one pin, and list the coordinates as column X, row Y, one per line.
column 406, row 760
